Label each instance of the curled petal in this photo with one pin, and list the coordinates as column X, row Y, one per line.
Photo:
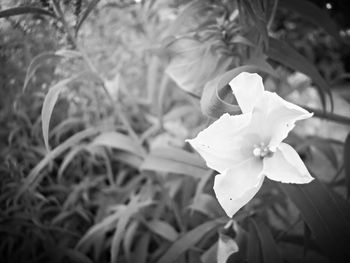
column 237, row 186
column 248, row 89
column 222, row 144
column 286, row 166
column 275, row 118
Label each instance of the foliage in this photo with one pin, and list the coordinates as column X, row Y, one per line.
column 98, row 98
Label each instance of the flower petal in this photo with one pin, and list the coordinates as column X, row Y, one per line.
column 286, row 166
column 222, row 144
column 237, row 186
column 248, row 88
column 275, row 117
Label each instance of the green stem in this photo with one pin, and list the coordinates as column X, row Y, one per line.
column 328, row 115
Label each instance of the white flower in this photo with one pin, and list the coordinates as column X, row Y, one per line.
column 247, row 147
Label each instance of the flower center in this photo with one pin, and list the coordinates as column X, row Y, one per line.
column 262, row 150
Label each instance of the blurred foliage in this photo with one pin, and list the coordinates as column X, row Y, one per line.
column 98, row 97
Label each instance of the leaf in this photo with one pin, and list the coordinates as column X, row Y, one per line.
column 49, row 103
column 347, row 163
column 172, row 160
column 68, row 158
column 288, row 56
column 194, row 9
column 35, row 63
column 68, row 53
column 226, row 247
column 212, row 102
column 99, row 229
column 87, row 12
column 129, row 236
column 133, row 207
column 163, row 229
column 118, row 141
column 207, row 205
column 33, row 178
column 141, row 249
column 257, row 15
column 118, row 220
column 254, row 253
column 188, row 240
column 210, row 255
column 22, row 10
column 322, row 212
column 268, row 245
column 194, row 63
column 40, row 59
column 313, row 14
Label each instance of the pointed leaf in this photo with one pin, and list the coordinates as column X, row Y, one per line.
column 86, row 13
column 43, row 58
column 207, row 205
column 268, row 245
column 172, row 160
column 22, row 10
column 118, row 141
column 347, row 163
column 163, row 229
column 254, row 253
column 288, row 56
column 194, row 63
column 49, row 103
column 132, row 208
column 322, row 212
column 188, row 240
column 313, row 14
column 34, row 178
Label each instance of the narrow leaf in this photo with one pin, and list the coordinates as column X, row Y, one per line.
column 36, row 62
column 133, row 207
column 320, row 209
column 347, row 163
column 313, row 14
column 268, row 245
column 141, row 249
column 23, row 10
column 172, row 160
column 207, row 205
column 44, row 57
column 118, row 141
column 163, row 229
column 254, row 254
column 33, row 178
column 188, row 240
column 288, row 56
column 86, row 13
column 194, row 63
column 49, row 103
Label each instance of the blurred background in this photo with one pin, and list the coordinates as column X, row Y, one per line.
column 97, row 98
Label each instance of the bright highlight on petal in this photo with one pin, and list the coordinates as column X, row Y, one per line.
column 237, row 186
column 221, row 144
column 286, row 166
column 248, row 89
column 247, row 147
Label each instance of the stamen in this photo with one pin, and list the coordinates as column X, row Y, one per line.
column 262, row 150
